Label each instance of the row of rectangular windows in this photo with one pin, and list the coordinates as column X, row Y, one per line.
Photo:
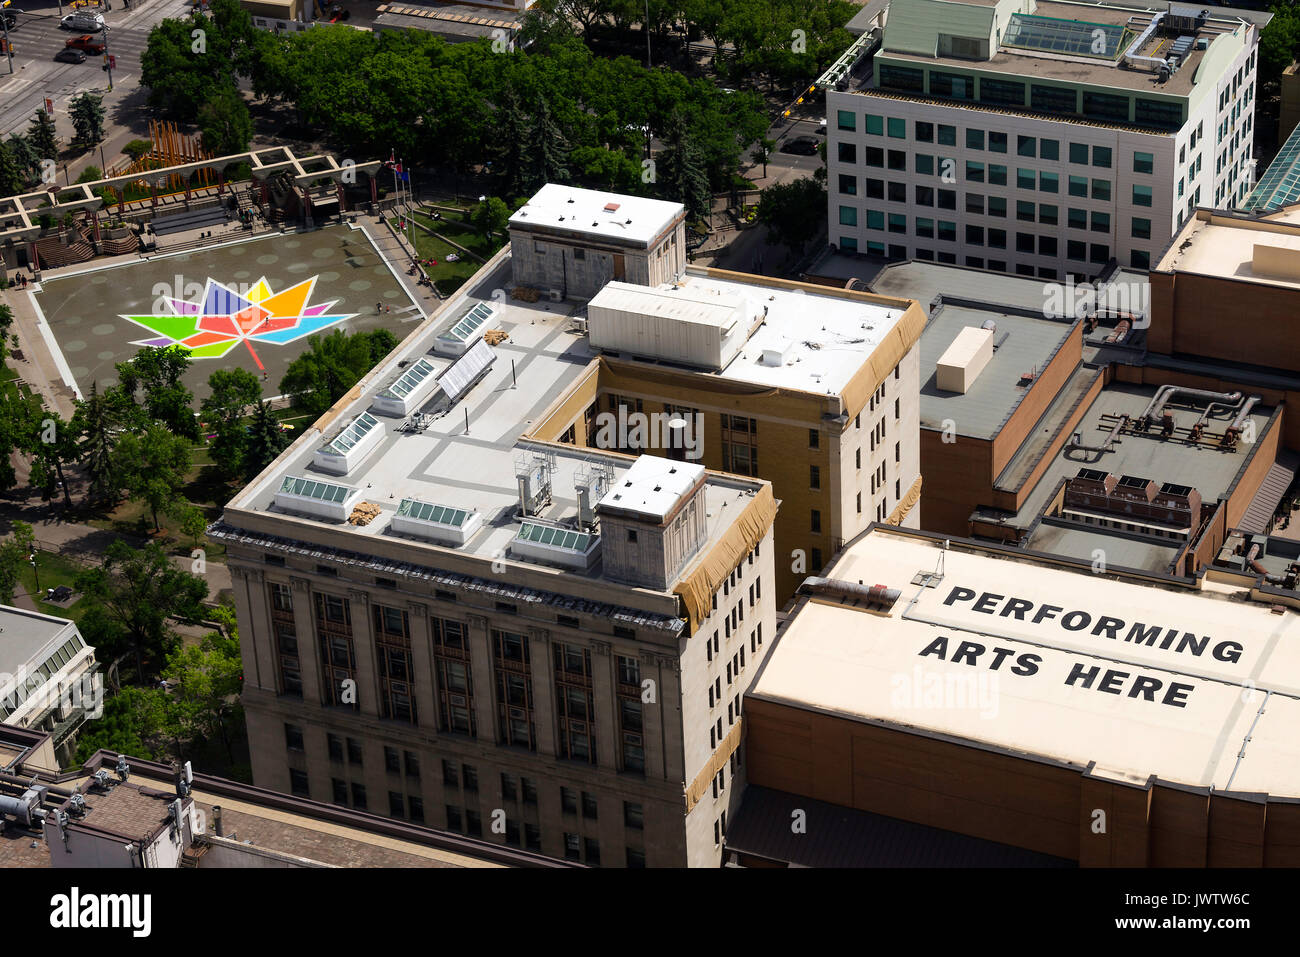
column 1075, row 251
column 1026, row 212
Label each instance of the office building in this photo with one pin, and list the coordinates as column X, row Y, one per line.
column 1040, row 137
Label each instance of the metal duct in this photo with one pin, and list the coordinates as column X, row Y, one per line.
column 879, row 596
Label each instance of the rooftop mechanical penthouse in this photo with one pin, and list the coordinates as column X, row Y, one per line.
column 1044, row 138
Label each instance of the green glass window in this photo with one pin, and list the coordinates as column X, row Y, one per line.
column 947, row 135
column 1101, row 189
column 1079, row 186
column 974, row 172
column 997, row 175
column 924, row 132
column 1101, row 223
column 876, row 249
column 849, row 244
column 1077, row 218
column 1049, row 182
column 1047, row 214
column 925, row 228
column 1026, row 146
column 1025, row 178
column 875, row 125
column 974, row 139
column 1143, row 162
column 924, row 164
column 1049, row 149
column 846, row 120
column 1105, row 106
column 1024, row 211
column 1101, row 156
column 997, row 206
column 875, row 219
column 1141, row 228
column 997, row 142
column 897, row 128
column 948, row 231
column 897, row 223
column 1140, row 259
column 1079, row 153
column 1141, row 195
column 848, row 185
column 848, row 216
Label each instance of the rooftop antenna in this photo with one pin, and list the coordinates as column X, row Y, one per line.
column 123, row 769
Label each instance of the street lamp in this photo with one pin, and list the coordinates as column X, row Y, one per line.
column 648, row 64
column 35, row 571
column 108, row 61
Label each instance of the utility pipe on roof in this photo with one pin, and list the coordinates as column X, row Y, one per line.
column 1167, row 392
column 1240, row 420
column 24, row 783
column 1130, row 56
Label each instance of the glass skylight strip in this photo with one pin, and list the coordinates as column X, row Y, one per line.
column 560, row 538
column 321, row 491
column 472, row 320
column 353, row 434
column 433, row 514
column 409, row 379
column 1072, row 37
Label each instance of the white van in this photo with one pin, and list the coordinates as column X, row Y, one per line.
column 83, row 22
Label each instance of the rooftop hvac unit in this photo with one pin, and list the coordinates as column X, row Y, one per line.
column 533, row 472
column 24, row 810
column 591, row 484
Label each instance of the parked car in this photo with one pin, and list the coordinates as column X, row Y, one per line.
column 83, row 22
column 86, row 43
column 70, row 55
column 805, row 145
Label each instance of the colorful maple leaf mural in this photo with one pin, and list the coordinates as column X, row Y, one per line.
column 223, row 318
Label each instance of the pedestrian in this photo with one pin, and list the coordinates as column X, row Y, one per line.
column 388, row 308
column 379, row 307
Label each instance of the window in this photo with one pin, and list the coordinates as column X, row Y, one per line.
column 416, row 806
column 1101, row 189
column 974, row 139
column 997, row 142
column 1049, row 149
column 1077, row 218
column 1076, row 250
column 286, row 640
column 875, row 125
column 975, row 235
column 509, row 787
column 1049, row 182
column 1002, row 92
column 298, row 783
column 1141, row 228
column 588, row 806
column 1143, row 162
column 897, row 160
column 574, row 704
column 1079, row 153
column 1141, row 195
column 997, row 206
column 848, row 185
column 591, row 851
column 924, row 132
column 924, row 164
column 897, row 223
column 395, row 665
column 848, row 152
column 1140, row 259
column 1047, row 246
column 354, row 752
column 529, row 787
column 335, row 744
column 739, row 438
column 1026, row 146
column 848, row 216
column 1024, row 211
column 1024, row 242
column 568, row 801
column 875, row 188
column 947, row 199
column 947, row 232
column 396, row 804
column 873, row 156
column 997, row 175
column 898, row 192
column 338, row 658
column 947, row 135
column 358, row 796
column 925, row 228
column 997, row 240
column 633, row 816
column 1047, row 214
column 392, row 764
column 293, row 737
column 1101, row 154
column 897, row 128
column 925, row 196
column 845, row 120
column 814, row 439
column 814, row 477
column 1098, row 253
column 514, row 690
column 473, row 824
column 975, row 203
column 340, row 789
column 1100, row 222
column 816, row 521
column 1079, row 186
column 1053, row 99
column 974, row 172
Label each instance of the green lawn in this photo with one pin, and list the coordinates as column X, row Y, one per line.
column 449, row 275
column 53, row 570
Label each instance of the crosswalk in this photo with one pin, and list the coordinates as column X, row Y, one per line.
column 37, row 38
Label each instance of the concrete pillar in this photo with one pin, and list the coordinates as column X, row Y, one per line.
column 374, row 189
column 480, row 659
column 221, row 182
column 304, row 626
column 94, row 219
column 363, row 646
column 652, row 724
column 306, row 207
column 153, row 193
column 423, row 677
column 539, row 665
column 602, row 693
column 343, row 206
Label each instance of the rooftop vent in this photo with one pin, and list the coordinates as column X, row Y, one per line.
column 609, row 207
column 443, row 524
column 963, row 361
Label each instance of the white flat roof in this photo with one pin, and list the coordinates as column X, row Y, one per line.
column 690, row 303
column 1056, row 663
column 1223, row 246
column 652, row 486
column 829, row 337
column 632, row 218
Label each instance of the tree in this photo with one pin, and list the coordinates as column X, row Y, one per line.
column 794, row 213
column 1279, row 42
column 232, row 393
column 208, row 679
column 25, row 156
column 96, row 420
column 136, row 149
column 509, row 154
column 265, row 441
column 762, row 152
column 547, row 152
column 490, row 216
column 11, row 177
column 87, row 112
column 225, row 123
column 156, row 373
column 40, row 137
column 324, row 373
column 17, row 414
column 152, row 467
column 184, row 71
column 192, row 520
column 680, row 170
column 133, row 723
column 90, row 174
column 139, row 589
column 52, row 443
column 15, row 553
column 380, row 342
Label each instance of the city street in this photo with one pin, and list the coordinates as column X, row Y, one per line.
column 37, row 37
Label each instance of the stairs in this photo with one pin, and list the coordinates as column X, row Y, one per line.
column 54, row 253
column 115, row 247
column 191, row 857
column 1258, row 517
